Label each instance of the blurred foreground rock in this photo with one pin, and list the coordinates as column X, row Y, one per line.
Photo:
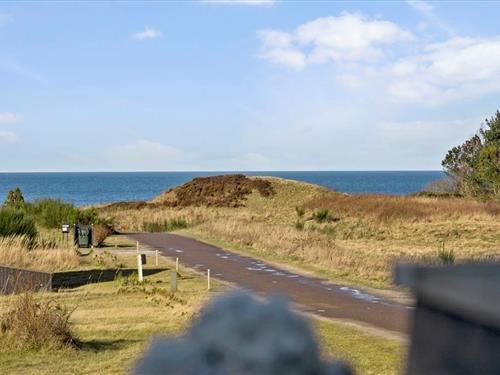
column 240, row 335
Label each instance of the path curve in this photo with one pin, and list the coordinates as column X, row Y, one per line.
column 313, row 295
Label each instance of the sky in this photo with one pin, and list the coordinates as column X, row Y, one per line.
column 250, row 85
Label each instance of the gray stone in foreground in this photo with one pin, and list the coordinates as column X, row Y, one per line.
column 237, row 334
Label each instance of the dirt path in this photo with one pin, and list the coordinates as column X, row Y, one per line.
column 313, row 295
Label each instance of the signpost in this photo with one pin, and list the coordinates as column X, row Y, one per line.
column 65, row 233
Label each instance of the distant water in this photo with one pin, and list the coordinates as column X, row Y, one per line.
column 103, row 187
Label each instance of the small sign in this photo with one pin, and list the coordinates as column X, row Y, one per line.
column 143, row 258
column 65, row 228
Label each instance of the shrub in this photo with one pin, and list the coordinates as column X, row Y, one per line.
column 164, row 226
column 36, row 324
column 52, row 213
column 99, row 234
column 14, row 222
column 322, row 216
column 446, row 256
column 300, row 211
column 299, row 225
column 443, row 187
column 14, row 198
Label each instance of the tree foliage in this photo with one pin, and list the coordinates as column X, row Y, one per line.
column 14, row 198
column 475, row 164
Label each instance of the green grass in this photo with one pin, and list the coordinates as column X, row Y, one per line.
column 368, row 354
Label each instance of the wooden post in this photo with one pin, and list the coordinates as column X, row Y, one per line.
column 176, row 264
column 173, row 281
column 156, row 257
column 139, row 264
column 208, row 279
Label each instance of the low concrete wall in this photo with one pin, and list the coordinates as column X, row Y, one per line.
column 16, row 280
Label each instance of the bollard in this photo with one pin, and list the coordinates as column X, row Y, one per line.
column 139, row 264
column 176, row 264
column 173, row 281
column 156, row 257
column 208, row 279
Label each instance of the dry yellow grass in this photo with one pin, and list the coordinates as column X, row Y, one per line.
column 14, row 253
column 367, row 235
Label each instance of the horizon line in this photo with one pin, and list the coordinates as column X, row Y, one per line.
column 233, row 171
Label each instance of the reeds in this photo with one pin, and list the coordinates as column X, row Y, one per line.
column 15, row 253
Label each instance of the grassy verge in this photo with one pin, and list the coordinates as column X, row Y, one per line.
column 367, row 354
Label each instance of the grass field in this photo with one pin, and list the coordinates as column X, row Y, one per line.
column 358, row 242
column 116, row 320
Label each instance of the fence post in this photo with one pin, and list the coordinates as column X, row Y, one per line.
column 139, row 264
column 173, row 281
column 176, row 264
column 156, row 257
column 208, row 279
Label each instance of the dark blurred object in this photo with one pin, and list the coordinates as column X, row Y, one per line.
column 456, row 324
column 240, row 335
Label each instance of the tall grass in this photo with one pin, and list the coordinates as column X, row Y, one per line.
column 14, row 222
column 387, row 208
column 37, row 324
column 15, row 253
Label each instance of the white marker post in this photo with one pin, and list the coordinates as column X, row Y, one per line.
column 176, row 264
column 156, row 257
column 139, row 264
column 208, row 279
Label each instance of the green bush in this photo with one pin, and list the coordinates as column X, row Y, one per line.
column 446, row 256
column 52, row 213
column 300, row 211
column 322, row 216
column 15, row 222
column 164, row 226
column 14, row 198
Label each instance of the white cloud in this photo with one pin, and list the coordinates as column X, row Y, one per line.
column 430, row 18
column 349, row 37
column 8, row 137
column 10, row 118
column 147, row 33
column 456, row 69
column 241, row 2
column 421, row 6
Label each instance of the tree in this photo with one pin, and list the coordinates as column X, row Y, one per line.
column 475, row 165
column 14, row 198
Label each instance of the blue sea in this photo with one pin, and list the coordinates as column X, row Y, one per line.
column 88, row 188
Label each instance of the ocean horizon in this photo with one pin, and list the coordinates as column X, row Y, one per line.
column 88, row 188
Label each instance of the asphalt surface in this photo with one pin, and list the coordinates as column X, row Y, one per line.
column 311, row 294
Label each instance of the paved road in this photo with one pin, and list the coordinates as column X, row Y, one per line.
column 311, row 294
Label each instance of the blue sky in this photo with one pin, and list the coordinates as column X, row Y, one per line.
column 225, row 85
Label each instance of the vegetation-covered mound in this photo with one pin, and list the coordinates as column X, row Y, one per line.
column 216, row 191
